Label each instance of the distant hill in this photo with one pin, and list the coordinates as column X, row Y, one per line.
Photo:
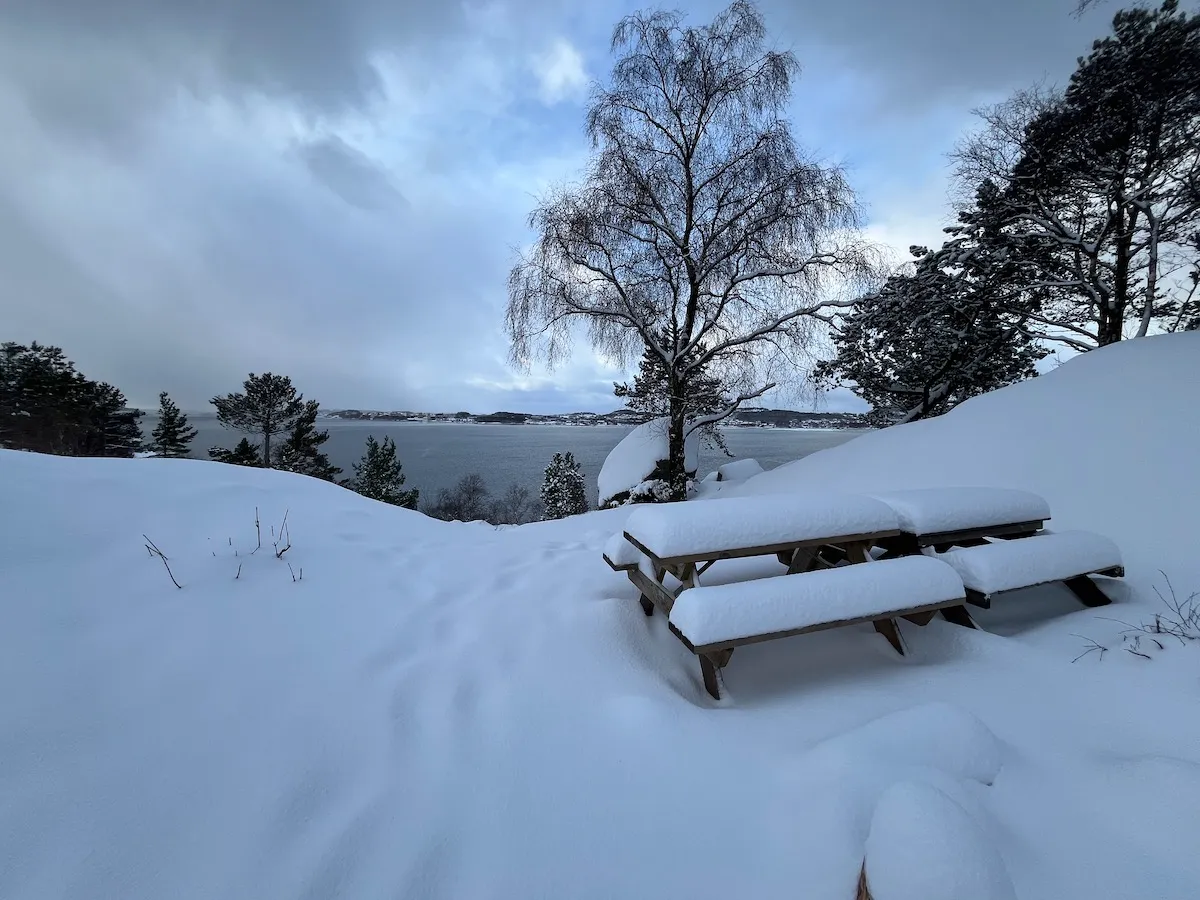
column 753, row 417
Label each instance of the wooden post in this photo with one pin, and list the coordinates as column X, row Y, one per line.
column 647, row 605
column 958, row 615
column 890, row 630
column 709, row 672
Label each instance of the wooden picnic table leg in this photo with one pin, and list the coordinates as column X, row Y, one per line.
column 856, row 551
column 890, row 630
column 802, row 560
column 958, row 615
column 708, row 670
column 1087, row 591
column 647, row 605
column 921, row 619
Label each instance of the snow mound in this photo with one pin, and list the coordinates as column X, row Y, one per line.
column 709, row 615
column 1004, row 565
column 633, row 460
column 940, row 737
column 935, row 510
column 1102, row 438
column 679, row 529
column 739, row 470
column 924, row 846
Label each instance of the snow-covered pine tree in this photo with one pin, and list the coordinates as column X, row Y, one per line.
column 244, row 454
column 378, row 475
column 301, row 452
column 172, row 434
column 563, row 492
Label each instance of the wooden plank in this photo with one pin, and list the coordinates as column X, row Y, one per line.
column 764, row 550
column 612, row 565
column 801, row 561
column 890, row 630
column 821, row 626
column 921, row 619
column 1087, row 592
column 1012, row 530
column 647, row 605
column 652, row 590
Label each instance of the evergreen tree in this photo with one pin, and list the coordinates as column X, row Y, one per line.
column 268, row 406
column 49, row 407
column 931, row 338
column 563, row 492
column 705, row 396
column 378, row 475
column 172, row 435
column 244, row 454
column 300, row 451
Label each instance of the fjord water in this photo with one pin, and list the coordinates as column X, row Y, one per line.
column 436, row 455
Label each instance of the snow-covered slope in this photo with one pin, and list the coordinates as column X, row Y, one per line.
column 438, row 710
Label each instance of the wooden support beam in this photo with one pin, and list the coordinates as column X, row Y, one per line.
column 958, row 615
column 920, row 618
column 708, row 670
column 890, row 630
column 1087, row 592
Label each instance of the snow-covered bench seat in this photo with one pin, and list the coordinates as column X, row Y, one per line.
column 942, row 517
column 711, row 621
column 621, row 555
column 685, row 539
column 1007, row 565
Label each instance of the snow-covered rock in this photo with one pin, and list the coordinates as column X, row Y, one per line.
column 924, row 846
column 739, row 470
column 630, row 464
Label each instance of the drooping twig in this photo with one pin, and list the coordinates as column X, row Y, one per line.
column 285, row 538
column 1092, row 648
column 239, row 572
column 154, row 551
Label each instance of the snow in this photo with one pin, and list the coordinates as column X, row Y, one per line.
column 710, row 615
column 442, row 710
column 941, row 509
column 684, row 529
column 739, row 470
column 1005, row 565
column 620, row 554
column 630, row 463
column 954, row 858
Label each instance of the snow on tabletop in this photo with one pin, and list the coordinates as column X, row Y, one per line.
column 678, row 529
column 709, row 615
column 1006, row 565
column 939, row 509
column 739, row 470
column 620, row 553
column 925, row 846
column 633, row 459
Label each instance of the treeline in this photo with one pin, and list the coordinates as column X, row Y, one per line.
column 1079, row 226
column 48, row 406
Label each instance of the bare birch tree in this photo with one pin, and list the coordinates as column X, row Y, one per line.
column 700, row 231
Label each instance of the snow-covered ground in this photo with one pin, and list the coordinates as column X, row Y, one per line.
column 438, row 710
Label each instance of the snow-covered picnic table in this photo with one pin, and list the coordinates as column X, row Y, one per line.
column 928, row 551
column 684, row 540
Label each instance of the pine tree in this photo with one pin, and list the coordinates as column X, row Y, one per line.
column 300, row 451
column 378, row 475
column 563, row 492
column 244, row 454
column 268, row 406
column 172, row 435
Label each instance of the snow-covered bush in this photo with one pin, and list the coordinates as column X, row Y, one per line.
column 637, row 461
column 563, row 493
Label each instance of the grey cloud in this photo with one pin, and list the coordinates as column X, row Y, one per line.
column 350, row 174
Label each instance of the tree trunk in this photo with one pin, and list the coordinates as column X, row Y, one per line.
column 677, row 441
column 266, row 448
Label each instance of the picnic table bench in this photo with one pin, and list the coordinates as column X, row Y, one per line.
column 685, row 540
column 929, row 551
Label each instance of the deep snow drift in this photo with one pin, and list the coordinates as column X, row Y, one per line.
column 437, row 710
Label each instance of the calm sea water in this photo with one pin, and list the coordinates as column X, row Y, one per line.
column 437, row 455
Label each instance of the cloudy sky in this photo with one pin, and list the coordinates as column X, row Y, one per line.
column 335, row 189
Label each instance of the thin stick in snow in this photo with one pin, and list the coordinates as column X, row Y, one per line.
column 285, row 538
column 257, row 531
column 154, row 551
